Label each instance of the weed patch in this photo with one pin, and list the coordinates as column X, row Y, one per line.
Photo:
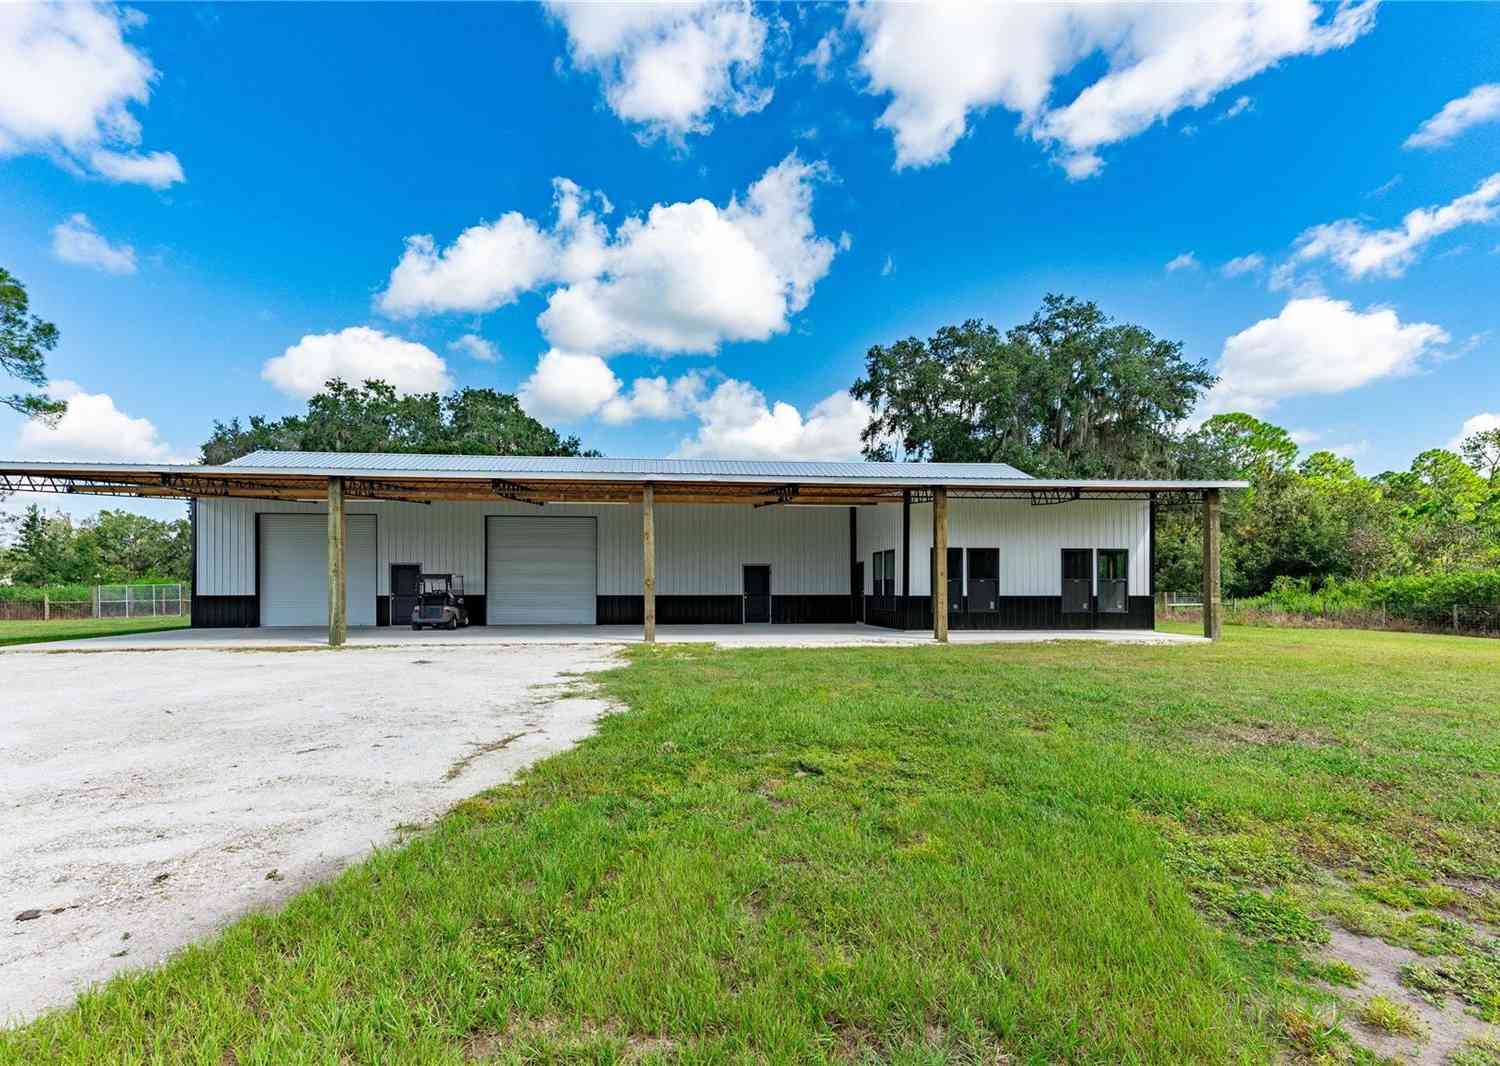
column 1387, row 1015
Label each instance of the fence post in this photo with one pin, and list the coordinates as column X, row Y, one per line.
column 1455, row 618
column 96, row 601
column 46, row 608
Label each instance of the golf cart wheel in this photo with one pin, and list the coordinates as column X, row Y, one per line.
column 415, row 627
column 451, row 625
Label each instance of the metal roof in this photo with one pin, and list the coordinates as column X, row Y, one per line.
column 304, row 468
column 553, row 466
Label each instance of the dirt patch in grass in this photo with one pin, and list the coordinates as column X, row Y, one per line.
column 1268, row 734
column 550, row 1039
column 1445, row 1027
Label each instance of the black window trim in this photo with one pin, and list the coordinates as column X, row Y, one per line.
column 973, row 590
column 1100, row 554
column 883, row 578
column 1062, row 560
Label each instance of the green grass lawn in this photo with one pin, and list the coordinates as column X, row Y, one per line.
column 1000, row 854
column 37, row 632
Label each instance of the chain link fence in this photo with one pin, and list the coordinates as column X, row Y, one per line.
column 106, row 601
column 1476, row 620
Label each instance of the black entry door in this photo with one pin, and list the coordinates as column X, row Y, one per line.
column 405, row 577
column 757, row 594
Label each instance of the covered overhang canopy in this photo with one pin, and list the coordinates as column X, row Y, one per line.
column 809, row 484
column 335, row 478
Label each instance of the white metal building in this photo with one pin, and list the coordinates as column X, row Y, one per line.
column 606, row 541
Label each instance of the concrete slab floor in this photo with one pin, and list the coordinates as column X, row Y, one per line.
column 729, row 636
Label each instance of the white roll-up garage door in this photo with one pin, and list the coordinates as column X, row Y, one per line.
column 540, row 571
column 294, row 569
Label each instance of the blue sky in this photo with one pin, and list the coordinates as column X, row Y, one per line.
column 214, row 204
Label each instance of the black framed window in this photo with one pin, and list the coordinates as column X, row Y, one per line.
column 883, row 569
column 984, row 579
column 1114, row 580
column 1077, row 580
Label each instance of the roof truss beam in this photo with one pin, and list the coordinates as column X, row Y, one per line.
column 782, row 495
column 511, row 490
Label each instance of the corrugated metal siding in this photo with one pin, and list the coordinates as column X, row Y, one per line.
column 879, row 529
column 700, row 547
column 1031, row 539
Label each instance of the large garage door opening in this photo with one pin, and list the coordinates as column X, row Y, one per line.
column 294, row 569
column 540, row 571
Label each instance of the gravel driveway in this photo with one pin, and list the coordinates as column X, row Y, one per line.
column 151, row 797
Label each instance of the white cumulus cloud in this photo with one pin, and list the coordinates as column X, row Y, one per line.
column 160, row 170
column 1244, row 264
column 1360, row 251
column 567, row 386
column 68, row 81
column 75, row 240
column 668, row 67
column 689, row 276
column 476, row 347
column 733, row 417
column 356, row 354
column 489, row 265
column 735, row 420
column 656, row 398
column 685, row 277
column 1317, row 346
column 821, row 56
column 942, row 65
column 1185, row 261
column 1480, row 423
column 1240, row 106
column 92, row 428
column 1479, row 105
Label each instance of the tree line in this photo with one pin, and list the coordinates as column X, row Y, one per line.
column 1072, row 393
column 113, row 547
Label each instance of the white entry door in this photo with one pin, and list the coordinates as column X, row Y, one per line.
column 540, row 571
column 294, row 569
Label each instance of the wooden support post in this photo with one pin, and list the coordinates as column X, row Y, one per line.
column 648, row 561
column 338, row 622
column 1212, row 596
column 940, row 563
column 903, row 619
column 46, row 607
